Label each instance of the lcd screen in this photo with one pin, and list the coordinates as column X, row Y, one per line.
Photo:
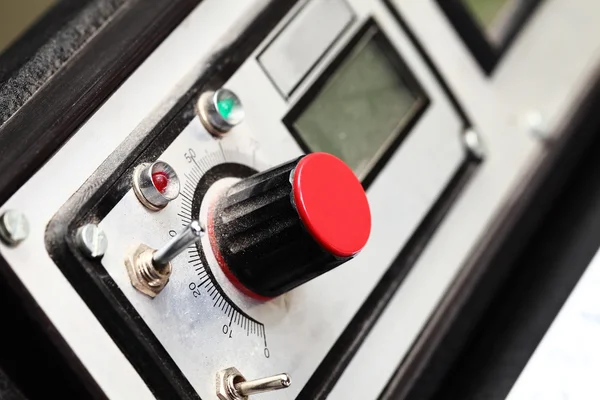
column 362, row 106
column 496, row 16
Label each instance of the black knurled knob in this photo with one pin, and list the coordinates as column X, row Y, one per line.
column 285, row 226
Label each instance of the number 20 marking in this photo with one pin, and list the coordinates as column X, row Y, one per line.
column 194, row 288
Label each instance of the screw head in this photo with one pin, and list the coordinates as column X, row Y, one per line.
column 474, row 144
column 92, row 240
column 537, row 126
column 14, row 227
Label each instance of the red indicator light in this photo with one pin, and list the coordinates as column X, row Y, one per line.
column 160, row 180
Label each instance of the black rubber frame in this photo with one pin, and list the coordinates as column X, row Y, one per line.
column 8, row 390
column 33, row 355
column 28, row 47
column 69, row 97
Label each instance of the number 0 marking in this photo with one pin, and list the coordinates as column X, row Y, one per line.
column 227, row 330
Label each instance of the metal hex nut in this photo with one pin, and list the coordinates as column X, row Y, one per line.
column 144, row 276
column 224, row 384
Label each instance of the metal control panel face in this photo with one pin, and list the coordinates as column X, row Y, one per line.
column 202, row 319
column 132, row 236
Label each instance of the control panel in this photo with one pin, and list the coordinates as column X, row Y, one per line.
column 278, row 200
column 261, row 250
column 224, row 262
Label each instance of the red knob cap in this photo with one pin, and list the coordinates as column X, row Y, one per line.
column 285, row 226
column 332, row 204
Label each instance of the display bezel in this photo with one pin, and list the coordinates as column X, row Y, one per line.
column 369, row 31
column 487, row 53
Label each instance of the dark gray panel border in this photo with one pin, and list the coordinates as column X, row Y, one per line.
column 65, row 101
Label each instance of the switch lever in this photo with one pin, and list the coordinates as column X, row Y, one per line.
column 231, row 384
column 150, row 269
column 261, row 385
column 191, row 234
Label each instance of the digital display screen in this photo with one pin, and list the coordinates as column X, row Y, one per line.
column 17, row 15
column 495, row 16
column 362, row 106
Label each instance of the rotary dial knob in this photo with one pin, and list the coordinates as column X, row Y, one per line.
column 285, row 226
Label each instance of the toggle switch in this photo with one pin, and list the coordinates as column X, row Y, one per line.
column 231, row 384
column 150, row 269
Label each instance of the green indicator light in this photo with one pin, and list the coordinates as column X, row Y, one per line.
column 220, row 111
column 225, row 107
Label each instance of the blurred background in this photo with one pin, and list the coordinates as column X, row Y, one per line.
column 16, row 16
